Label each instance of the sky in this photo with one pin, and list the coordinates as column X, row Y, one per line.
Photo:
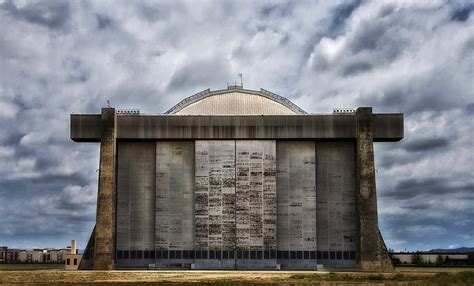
column 64, row 57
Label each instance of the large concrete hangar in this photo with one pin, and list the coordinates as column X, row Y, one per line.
column 237, row 179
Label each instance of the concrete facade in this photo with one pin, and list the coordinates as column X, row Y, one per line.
column 106, row 199
column 237, row 192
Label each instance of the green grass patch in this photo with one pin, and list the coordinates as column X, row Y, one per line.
column 455, row 279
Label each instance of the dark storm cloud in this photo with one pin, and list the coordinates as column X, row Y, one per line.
column 426, row 144
column 410, row 188
column 199, row 73
column 75, row 178
column 426, row 92
column 103, row 21
column 470, row 109
column 53, row 14
column 462, row 12
column 277, row 10
column 355, row 68
column 341, row 13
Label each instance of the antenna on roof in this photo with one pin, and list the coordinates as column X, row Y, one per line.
column 108, row 103
column 241, row 82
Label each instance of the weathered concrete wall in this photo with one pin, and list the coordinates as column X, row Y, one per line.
column 296, row 193
column 135, row 198
column 104, row 248
column 215, row 195
column 214, row 205
column 372, row 255
column 255, row 203
column 387, row 127
column 256, row 195
column 174, row 195
column 336, row 211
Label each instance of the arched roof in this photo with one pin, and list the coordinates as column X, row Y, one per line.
column 235, row 101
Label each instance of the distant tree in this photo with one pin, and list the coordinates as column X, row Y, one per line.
column 416, row 259
column 439, row 260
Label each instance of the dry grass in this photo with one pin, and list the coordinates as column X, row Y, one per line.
column 403, row 276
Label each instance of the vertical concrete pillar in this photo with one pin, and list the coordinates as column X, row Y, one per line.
column 105, row 220
column 372, row 255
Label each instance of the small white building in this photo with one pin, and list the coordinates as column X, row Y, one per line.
column 73, row 259
column 407, row 258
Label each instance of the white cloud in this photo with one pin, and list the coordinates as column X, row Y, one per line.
column 8, row 110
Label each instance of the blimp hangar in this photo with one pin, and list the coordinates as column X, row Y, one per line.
column 237, row 179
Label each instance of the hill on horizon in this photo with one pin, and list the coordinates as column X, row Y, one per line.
column 458, row 250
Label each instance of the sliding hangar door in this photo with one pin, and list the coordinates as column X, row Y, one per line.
column 236, row 204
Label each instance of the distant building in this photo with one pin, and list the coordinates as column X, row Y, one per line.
column 37, row 255
column 9, row 254
column 401, row 258
column 237, row 179
column 72, row 260
column 3, row 253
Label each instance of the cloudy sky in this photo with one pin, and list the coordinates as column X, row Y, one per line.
column 63, row 57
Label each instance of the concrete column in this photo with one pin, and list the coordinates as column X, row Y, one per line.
column 106, row 198
column 372, row 255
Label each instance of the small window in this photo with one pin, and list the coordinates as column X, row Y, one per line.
column 352, row 255
column 272, row 254
column 313, row 254
column 246, row 254
column 259, row 254
column 185, row 254
column 253, row 254
column 211, row 254
column 286, row 255
column 133, row 254
column 266, row 254
column 218, row 254
column 332, row 255
column 325, row 255
column 306, row 255
column 299, row 255
column 231, row 254
column 146, row 254
column 165, row 254
column 172, row 254
column 339, row 255
column 204, row 254
column 139, row 254
column 293, row 255
column 346, row 255
column 125, row 254
column 198, row 254
column 68, row 261
column 239, row 254
column 158, row 254
column 152, row 254
column 191, row 254
column 319, row 255
column 225, row 254
column 75, row 261
column 119, row 254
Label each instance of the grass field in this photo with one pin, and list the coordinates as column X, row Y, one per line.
column 403, row 276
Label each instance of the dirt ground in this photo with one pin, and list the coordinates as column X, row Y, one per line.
column 402, row 276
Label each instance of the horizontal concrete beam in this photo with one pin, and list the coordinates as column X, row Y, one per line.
column 86, row 127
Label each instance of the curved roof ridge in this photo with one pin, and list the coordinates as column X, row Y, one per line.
column 207, row 93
